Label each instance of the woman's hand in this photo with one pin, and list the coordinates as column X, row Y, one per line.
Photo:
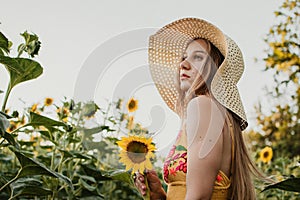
column 155, row 187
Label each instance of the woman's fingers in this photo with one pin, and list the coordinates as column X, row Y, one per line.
column 140, row 183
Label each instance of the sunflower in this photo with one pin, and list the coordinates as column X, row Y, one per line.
column 266, row 154
column 136, row 153
column 34, row 107
column 48, row 101
column 130, row 123
column 132, row 105
column 12, row 126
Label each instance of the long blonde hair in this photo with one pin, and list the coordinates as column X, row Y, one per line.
column 243, row 167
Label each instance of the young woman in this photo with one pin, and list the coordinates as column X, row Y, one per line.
column 209, row 159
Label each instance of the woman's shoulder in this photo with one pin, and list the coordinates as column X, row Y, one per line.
column 201, row 101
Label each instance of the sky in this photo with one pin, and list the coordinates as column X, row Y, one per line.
column 97, row 50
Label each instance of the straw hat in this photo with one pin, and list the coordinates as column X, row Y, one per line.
column 166, row 47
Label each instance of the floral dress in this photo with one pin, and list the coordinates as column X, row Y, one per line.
column 175, row 168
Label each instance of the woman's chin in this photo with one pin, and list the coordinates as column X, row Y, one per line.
column 184, row 87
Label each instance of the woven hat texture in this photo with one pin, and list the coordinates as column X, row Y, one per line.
column 165, row 52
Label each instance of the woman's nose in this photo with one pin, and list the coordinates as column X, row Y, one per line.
column 185, row 65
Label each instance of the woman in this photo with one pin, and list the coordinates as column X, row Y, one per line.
column 209, row 159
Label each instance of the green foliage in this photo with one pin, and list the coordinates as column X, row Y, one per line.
column 4, row 44
column 64, row 155
column 19, row 69
column 280, row 128
column 290, row 184
column 31, row 46
column 60, row 151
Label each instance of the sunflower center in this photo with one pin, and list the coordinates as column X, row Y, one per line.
column 137, row 151
column 266, row 154
column 131, row 104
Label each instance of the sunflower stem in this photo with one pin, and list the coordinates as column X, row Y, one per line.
column 147, row 196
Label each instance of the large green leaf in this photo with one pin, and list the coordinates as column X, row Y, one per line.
column 4, row 45
column 30, row 70
column 11, row 64
column 291, row 184
column 40, row 120
column 21, row 69
column 31, row 167
column 29, row 187
column 11, row 140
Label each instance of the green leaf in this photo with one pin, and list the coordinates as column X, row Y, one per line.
column 88, row 178
column 89, row 109
column 33, row 191
column 87, row 186
column 4, row 44
column 6, row 192
column 31, row 167
column 91, row 131
column 32, row 44
column 4, row 124
column 80, row 155
column 180, row 148
column 67, row 154
column 121, row 175
column 6, row 115
column 27, row 70
column 29, row 187
column 48, row 134
column 11, row 140
column 40, row 120
column 74, row 154
column 4, row 158
column 291, row 184
column 97, row 174
column 98, row 129
column 11, row 64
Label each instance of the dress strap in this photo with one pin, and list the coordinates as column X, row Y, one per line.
column 232, row 147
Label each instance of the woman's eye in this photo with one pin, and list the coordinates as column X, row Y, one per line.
column 197, row 57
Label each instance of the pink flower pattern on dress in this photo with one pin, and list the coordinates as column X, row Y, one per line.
column 219, row 178
column 175, row 163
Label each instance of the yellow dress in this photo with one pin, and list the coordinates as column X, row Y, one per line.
column 175, row 168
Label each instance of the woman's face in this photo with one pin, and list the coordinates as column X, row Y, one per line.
column 193, row 61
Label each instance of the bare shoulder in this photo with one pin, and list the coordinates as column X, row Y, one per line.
column 201, row 102
column 198, row 115
column 203, row 116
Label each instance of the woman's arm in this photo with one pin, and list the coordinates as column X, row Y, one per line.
column 204, row 127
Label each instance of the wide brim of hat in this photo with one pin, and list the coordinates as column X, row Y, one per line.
column 165, row 52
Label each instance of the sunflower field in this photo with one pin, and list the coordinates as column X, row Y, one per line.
column 276, row 141
column 62, row 149
column 59, row 150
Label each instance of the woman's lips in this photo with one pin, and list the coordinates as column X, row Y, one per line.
column 184, row 76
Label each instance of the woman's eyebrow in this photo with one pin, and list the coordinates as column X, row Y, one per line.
column 200, row 51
